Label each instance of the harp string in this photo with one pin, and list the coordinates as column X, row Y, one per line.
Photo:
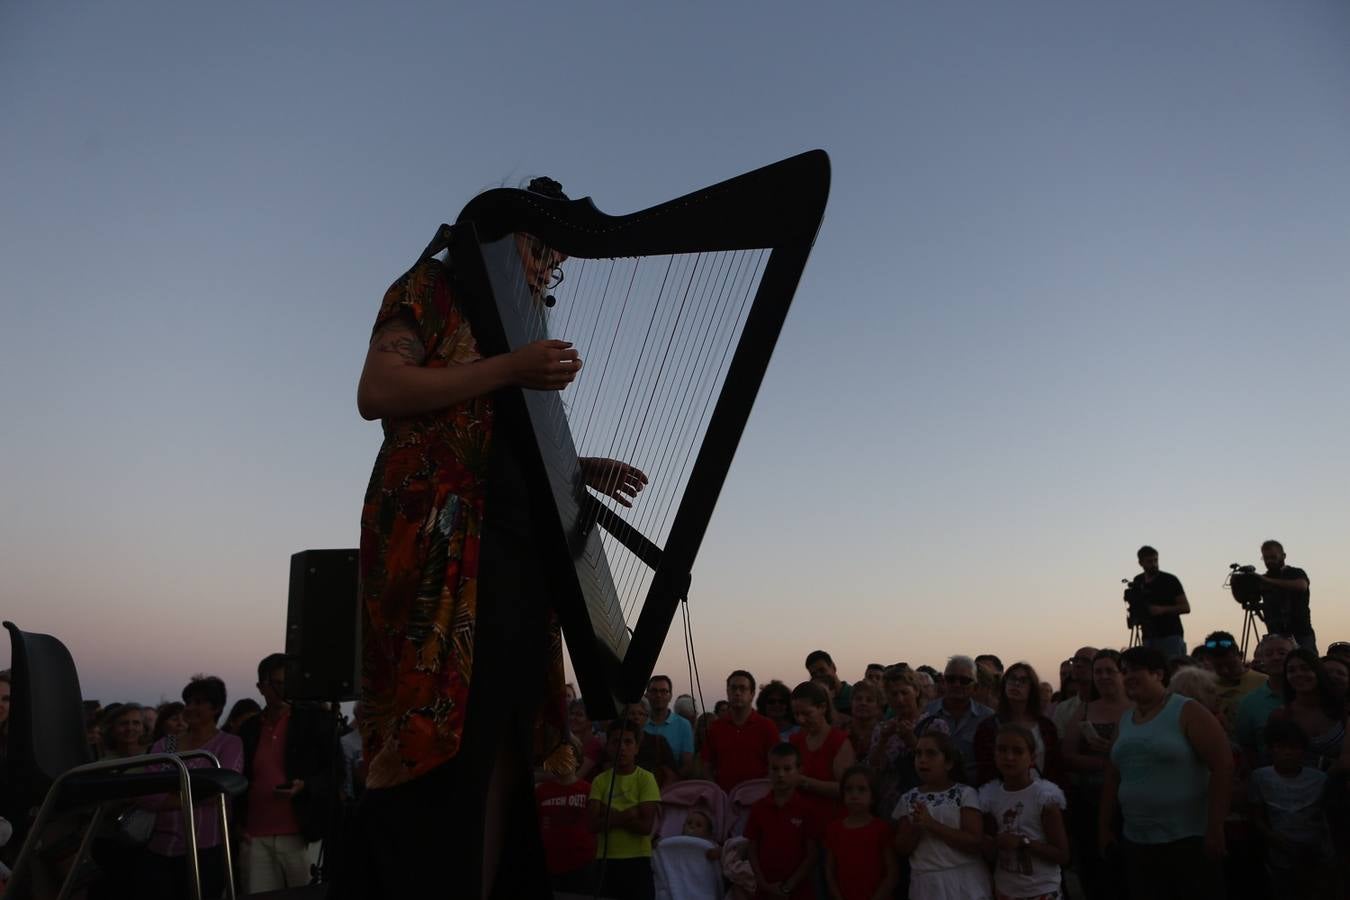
column 674, row 429
column 650, row 378
column 632, row 438
column 681, row 473
column 651, row 498
column 579, row 286
column 709, row 383
column 664, row 435
column 573, row 292
column 597, row 396
column 621, row 417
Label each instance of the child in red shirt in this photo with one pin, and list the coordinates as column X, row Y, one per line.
column 859, row 862
column 783, row 832
column 569, row 843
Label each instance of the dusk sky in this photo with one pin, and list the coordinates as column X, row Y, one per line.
column 1081, row 286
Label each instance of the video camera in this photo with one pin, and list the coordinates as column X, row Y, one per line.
column 1245, row 586
column 1137, row 603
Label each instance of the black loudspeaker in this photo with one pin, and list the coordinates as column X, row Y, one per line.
column 323, row 627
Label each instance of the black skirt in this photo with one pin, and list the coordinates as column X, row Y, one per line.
column 424, row 838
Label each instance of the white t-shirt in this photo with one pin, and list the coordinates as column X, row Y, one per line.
column 934, row 854
column 1294, row 808
column 1020, row 873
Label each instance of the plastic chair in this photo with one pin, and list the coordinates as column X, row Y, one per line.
column 682, row 796
column 49, row 758
column 743, row 796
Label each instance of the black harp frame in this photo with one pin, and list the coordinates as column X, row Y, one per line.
column 777, row 208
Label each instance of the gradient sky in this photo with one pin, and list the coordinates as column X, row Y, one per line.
column 1081, row 285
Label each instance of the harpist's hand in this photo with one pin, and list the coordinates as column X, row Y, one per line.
column 612, row 478
column 545, row 365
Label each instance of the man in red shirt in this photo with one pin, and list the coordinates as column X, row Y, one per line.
column 738, row 744
column 289, row 760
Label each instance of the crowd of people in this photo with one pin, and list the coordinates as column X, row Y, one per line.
column 1149, row 772
column 299, row 778
column 1139, row 775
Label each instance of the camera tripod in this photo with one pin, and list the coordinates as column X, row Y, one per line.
column 1250, row 616
column 1136, row 635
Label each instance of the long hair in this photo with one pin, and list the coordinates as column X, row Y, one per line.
column 774, row 690
column 163, row 714
column 1033, row 692
column 1326, row 692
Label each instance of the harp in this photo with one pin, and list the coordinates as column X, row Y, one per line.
column 675, row 311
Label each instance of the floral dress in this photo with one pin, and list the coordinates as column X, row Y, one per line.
column 421, row 527
column 939, row 871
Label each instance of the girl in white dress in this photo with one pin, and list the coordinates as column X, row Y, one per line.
column 940, row 827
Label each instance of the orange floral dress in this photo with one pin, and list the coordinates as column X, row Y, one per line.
column 421, row 527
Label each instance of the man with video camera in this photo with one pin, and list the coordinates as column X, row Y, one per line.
column 1161, row 599
column 1284, row 597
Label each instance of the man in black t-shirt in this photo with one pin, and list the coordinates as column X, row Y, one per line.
column 1167, row 603
column 1284, row 597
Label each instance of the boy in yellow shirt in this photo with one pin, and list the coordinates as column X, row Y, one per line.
column 622, row 812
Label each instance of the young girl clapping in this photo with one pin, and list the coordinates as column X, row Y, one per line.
column 1024, row 818
column 940, row 827
column 859, row 863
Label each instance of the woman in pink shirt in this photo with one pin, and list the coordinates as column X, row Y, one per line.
column 164, row 871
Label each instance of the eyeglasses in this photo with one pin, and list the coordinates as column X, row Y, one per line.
column 539, row 252
column 958, row 679
column 1219, row 645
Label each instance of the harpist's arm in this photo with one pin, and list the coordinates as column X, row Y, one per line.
column 394, row 383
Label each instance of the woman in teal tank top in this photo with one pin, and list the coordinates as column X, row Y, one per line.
column 1169, row 776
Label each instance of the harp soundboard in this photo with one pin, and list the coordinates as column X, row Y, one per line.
column 675, row 311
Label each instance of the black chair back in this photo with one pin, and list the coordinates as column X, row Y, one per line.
column 46, row 715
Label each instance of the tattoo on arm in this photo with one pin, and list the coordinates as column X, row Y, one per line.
column 397, row 339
